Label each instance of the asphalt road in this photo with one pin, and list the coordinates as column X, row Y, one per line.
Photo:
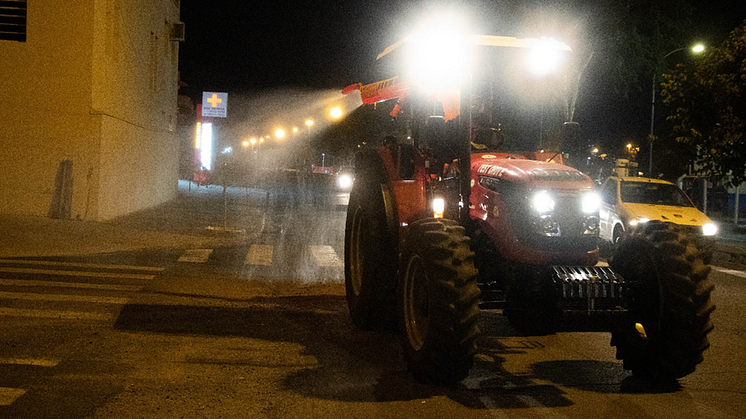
column 253, row 323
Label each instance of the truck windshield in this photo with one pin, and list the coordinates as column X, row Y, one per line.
column 654, row 194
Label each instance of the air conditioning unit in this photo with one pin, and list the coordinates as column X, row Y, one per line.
column 177, row 31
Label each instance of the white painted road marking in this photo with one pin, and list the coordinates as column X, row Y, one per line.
column 730, row 272
column 35, row 362
column 196, row 255
column 55, row 314
column 57, row 284
column 326, row 256
column 259, row 254
column 75, row 273
column 9, row 395
column 82, row 265
column 63, row 297
column 263, row 255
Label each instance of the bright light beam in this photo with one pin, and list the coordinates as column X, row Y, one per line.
column 544, row 57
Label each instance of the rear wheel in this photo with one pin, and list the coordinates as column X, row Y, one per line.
column 668, row 293
column 438, row 302
column 370, row 252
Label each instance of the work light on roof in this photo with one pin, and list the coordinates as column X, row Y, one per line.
column 438, row 56
column 544, row 57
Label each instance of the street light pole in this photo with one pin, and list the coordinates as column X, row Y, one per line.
column 697, row 49
column 652, row 129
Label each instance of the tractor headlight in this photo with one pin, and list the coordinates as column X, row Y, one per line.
column 591, row 202
column 344, row 181
column 710, row 229
column 439, row 207
column 542, row 202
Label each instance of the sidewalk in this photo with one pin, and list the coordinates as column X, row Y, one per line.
column 180, row 223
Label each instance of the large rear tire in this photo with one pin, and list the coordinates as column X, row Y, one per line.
column 438, row 302
column 370, row 250
column 665, row 333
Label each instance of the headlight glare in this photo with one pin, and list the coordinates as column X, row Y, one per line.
column 635, row 221
column 591, row 202
column 439, row 207
column 344, row 181
column 710, row 229
column 542, row 202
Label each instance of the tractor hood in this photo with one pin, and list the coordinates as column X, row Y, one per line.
column 535, row 173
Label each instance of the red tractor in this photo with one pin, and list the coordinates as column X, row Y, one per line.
column 443, row 222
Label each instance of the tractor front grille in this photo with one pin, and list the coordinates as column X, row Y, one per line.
column 589, row 288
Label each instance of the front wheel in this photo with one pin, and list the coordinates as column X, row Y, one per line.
column 668, row 294
column 438, row 302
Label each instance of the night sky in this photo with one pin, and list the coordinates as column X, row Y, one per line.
column 242, row 47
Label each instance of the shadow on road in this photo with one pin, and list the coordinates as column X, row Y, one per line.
column 357, row 366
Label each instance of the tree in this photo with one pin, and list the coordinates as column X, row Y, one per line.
column 707, row 105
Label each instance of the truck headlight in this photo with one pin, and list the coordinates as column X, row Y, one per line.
column 709, row 229
column 542, row 202
column 638, row 220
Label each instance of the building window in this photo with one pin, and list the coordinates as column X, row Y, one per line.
column 13, row 20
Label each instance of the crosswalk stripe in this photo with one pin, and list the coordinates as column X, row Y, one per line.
column 9, row 395
column 63, row 297
column 58, row 284
column 730, row 272
column 82, row 265
column 259, row 254
column 75, row 273
column 326, row 256
column 34, row 362
column 54, row 314
column 196, row 255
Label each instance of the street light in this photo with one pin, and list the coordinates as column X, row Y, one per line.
column 697, row 49
column 280, row 133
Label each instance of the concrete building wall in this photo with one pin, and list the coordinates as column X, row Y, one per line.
column 95, row 84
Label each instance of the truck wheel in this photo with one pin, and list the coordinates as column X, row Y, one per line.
column 617, row 236
column 370, row 254
column 668, row 295
column 438, row 302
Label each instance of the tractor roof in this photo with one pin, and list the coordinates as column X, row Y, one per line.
column 488, row 40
